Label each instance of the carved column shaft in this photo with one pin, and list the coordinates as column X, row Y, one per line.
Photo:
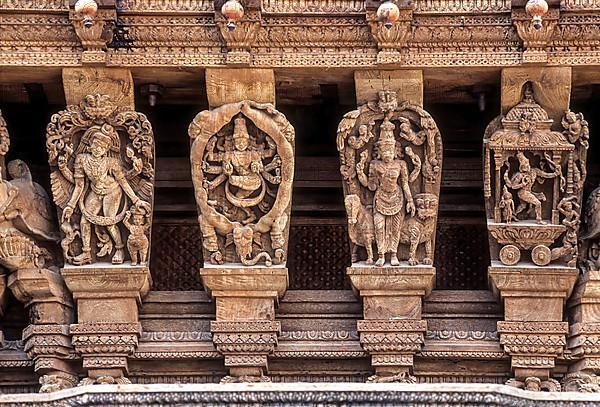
column 242, row 167
column 391, row 140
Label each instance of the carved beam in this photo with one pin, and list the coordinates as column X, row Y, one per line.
column 105, row 217
column 391, row 140
column 533, row 228
column 242, row 168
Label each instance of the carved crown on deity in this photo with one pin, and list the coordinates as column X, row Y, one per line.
column 532, row 186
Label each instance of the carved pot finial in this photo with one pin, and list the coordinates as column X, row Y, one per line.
column 88, row 9
column 233, row 11
column 388, row 12
column 536, row 9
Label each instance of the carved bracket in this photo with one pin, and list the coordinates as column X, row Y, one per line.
column 535, row 41
column 240, row 39
column 392, row 42
column 95, row 37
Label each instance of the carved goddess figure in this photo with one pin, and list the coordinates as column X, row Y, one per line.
column 99, row 186
column 98, row 176
column 388, row 178
column 523, row 181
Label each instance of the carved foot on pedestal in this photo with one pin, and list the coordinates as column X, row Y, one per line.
column 57, row 381
column 535, row 384
column 104, row 380
column 397, row 378
column 245, row 379
column 581, row 382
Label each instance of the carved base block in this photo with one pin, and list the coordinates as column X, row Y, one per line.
column 244, row 331
column 107, row 308
column 392, row 330
column 246, row 345
column 532, row 332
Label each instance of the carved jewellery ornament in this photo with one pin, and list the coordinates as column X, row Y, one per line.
column 102, row 161
column 242, row 168
column 391, row 158
column 533, row 183
column 28, row 235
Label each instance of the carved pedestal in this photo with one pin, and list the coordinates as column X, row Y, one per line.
column 584, row 334
column 245, row 331
column 392, row 331
column 47, row 339
column 533, row 332
column 107, row 328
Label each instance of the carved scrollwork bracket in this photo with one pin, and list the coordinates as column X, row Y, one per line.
column 535, row 41
column 95, row 35
column 239, row 39
column 392, row 41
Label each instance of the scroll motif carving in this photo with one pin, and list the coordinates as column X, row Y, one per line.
column 102, row 161
column 242, row 167
column 391, row 156
column 533, row 184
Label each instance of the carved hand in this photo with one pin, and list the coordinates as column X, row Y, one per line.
column 410, row 207
column 228, row 168
column 66, row 215
column 137, row 165
column 62, row 161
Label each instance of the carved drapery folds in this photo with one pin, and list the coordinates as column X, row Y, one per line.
column 533, row 181
column 242, row 167
column 391, row 157
column 102, row 161
column 29, row 252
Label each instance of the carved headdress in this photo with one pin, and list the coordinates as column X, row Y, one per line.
column 240, row 130
column 386, row 137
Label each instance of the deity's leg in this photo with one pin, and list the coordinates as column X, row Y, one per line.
column 393, row 227
column 110, row 206
column 379, row 223
column 92, row 204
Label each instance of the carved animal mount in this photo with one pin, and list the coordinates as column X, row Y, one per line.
column 242, row 167
column 391, row 156
column 102, row 160
column 541, row 172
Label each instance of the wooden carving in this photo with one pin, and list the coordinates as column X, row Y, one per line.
column 102, row 160
column 391, row 157
column 533, row 184
column 242, row 167
column 28, row 235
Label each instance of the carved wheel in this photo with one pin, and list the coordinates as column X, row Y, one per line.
column 510, row 255
column 541, row 255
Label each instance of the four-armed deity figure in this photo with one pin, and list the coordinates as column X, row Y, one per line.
column 388, row 178
column 523, row 182
column 100, row 181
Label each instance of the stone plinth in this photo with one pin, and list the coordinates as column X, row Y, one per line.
column 245, row 331
column 392, row 330
column 107, row 331
column 533, row 332
column 584, row 332
column 47, row 339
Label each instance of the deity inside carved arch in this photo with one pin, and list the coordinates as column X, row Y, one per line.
column 99, row 183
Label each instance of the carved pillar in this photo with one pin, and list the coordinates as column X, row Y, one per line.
column 242, row 168
column 29, row 252
column 101, row 153
column 391, row 158
column 533, row 183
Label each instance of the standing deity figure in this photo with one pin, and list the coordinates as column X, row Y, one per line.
column 137, row 242
column 388, row 178
column 99, row 186
column 102, row 159
column 523, row 181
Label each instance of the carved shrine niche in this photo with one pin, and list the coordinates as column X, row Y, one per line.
column 391, row 157
column 102, row 161
column 242, row 168
column 533, row 184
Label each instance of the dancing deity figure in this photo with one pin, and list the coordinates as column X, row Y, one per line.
column 241, row 168
column 99, row 182
column 388, row 178
column 523, row 181
column 137, row 242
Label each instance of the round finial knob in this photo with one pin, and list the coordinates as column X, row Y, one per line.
column 536, row 9
column 389, row 13
column 88, row 9
column 233, row 12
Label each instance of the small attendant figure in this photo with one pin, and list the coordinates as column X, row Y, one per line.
column 137, row 242
column 507, row 205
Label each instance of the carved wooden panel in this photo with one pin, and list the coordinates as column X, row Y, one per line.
column 318, row 257
column 176, row 256
column 461, row 256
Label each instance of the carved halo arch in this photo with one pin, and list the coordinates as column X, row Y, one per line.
column 267, row 119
